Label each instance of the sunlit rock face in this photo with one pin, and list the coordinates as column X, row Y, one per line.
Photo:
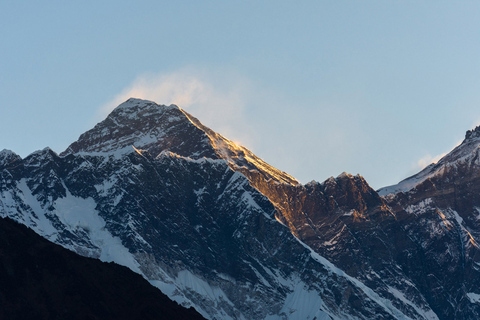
column 145, row 125
column 217, row 228
column 406, row 245
column 419, row 240
column 159, row 128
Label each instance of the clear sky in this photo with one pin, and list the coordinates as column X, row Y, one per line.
column 315, row 88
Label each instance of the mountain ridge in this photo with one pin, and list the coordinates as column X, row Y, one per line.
column 41, row 280
column 148, row 135
column 461, row 153
column 217, row 228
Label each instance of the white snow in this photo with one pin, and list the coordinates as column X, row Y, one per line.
column 75, row 212
column 403, row 185
column 457, row 217
column 473, row 297
column 252, row 204
column 115, row 154
column 301, row 304
column 38, row 222
column 420, row 207
column 187, row 281
column 427, row 314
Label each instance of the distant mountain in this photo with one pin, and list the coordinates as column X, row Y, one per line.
column 442, row 205
column 41, row 280
column 217, row 228
column 461, row 162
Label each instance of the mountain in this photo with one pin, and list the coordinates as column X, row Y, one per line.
column 148, row 126
column 215, row 227
column 445, row 203
column 416, row 241
column 461, row 163
column 41, row 280
column 193, row 226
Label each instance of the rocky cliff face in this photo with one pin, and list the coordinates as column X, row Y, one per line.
column 440, row 206
column 217, row 228
column 417, row 242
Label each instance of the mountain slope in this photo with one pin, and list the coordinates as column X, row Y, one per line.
column 40, row 280
column 194, row 228
column 443, row 204
column 149, row 126
column 462, row 162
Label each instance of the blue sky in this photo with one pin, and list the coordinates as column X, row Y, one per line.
column 315, row 88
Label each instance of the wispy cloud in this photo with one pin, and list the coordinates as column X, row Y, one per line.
column 428, row 159
column 218, row 101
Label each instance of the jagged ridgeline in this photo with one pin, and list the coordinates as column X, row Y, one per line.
column 215, row 227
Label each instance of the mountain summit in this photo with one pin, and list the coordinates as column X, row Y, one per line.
column 463, row 162
column 145, row 125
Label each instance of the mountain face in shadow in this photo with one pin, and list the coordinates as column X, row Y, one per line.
column 41, row 280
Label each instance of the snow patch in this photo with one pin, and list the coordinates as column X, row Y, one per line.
column 420, row 208
column 427, row 314
column 75, row 212
column 187, row 281
column 36, row 218
column 301, row 304
column 473, row 297
column 382, row 302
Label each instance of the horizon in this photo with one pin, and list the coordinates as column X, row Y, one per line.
column 317, row 89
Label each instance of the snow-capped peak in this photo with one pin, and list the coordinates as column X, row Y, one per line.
column 473, row 134
column 145, row 125
column 155, row 128
column 8, row 156
column 135, row 108
column 466, row 152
